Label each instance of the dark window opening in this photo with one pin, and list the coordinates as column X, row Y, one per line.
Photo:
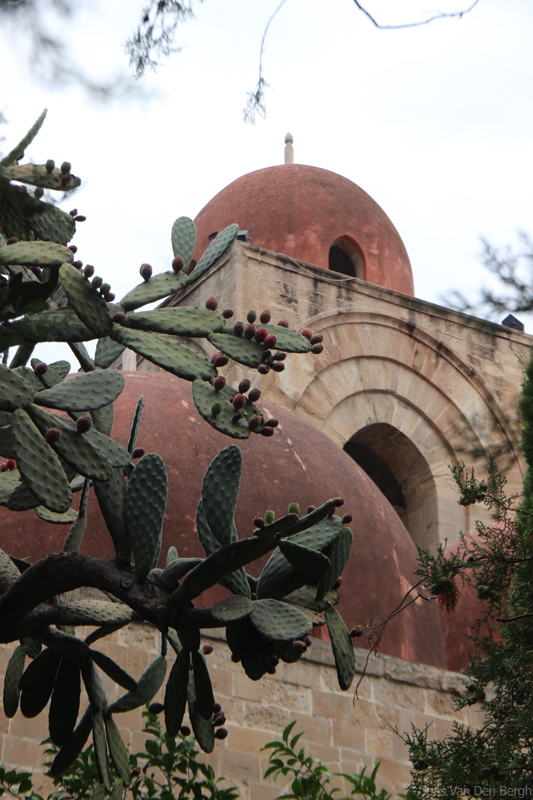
column 378, row 471
column 340, row 261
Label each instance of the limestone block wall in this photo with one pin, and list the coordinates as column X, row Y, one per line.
column 344, row 731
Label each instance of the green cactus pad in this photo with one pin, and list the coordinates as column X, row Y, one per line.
column 156, row 288
column 56, row 519
column 38, row 254
column 103, row 631
column 188, row 321
column 279, row 621
column 117, row 750
column 15, row 392
column 54, row 325
column 288, row 528
column 65, row 703
column 342, row 648
column 305, row 559
column 74, row 537
column 113, row 451
column 20, row 498
column 18, row 152
column 113, row 670
column 37, row 175
column 14, row 671
column 316, row 619
column 103, row 419
column 111, row 498
column 338, row 553
column 174, row 572
column 73, row 746
column 85, row 300
column 184, row 239
column 232, row 609
column 75, row 449
column 100, row 750
column 216, row 250
column 82, row 354
column 98, row 612
column 203, row 688
column 148, row 685
column 203, row 729
column 176, row 692
column 306, row 596
column 167, row 353
column 37, row 683
column 220, row 490
column 61, row 368
column 289, row 341
column 207, row 540
column 9, row 573
column 84, row 392
column 204, row 396
column 284, row 525
column 136, row 425
column 146, row 501
column 91, row 677
column 244, row 351
column 34, row 459
column 246, row 643
column 172, row 555
column 107, row 351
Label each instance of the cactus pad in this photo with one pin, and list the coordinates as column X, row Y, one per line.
column 184, row 239
column 338, row 553
column 15, row 392
column 136, row 425
column 84, row 392
column 148, row 685
column 167, row 353
column 66, row 518
column 216, row 250
column 117, row 750
column 39, row 254
column 73, row 746
column 14, row 671
column 146, row 501
column 204, row 397
column 176, row 692
column 187, row 321
column 107, row 351
column 203, row 728
column 220, row 490
column 85, row 300
column 174, row 572
column 203, row 687
column 111, row 498
column 342, row 648
column 279, row 621
column 305, row 559
column 156, row 288
column 37, row 683
column 232, row 609
column 53, row 325
column 100, row 750
column 65, row 702
column 244, row 351
column 289, row 341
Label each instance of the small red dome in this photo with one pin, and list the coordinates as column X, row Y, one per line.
column 312, row 215
column 298, row 464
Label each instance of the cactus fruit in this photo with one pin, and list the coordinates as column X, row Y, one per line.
column 83, row 424
column 52, row 435
column 177, row 264
column 145, row 272
column 263, row 369
column 270, row 516
column 40, row 369
column 347, row 518
column 294, row 508
column 80, row 218
column 137, row 453
column 254, row 395
column 316, row 349
column 211, row 303
column 260, row 335
column 219, row 383
column 119, row 317
column 316, row 338
column 249, row 331
column 277, row 366
column 270, row 340
column 265, row 317
column 216, row 409
column 251, row 316
column 238, row 328
column 238, row 401
column 228, row 313
column 244, row 385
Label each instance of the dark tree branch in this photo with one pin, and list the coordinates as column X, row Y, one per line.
column 439, row 15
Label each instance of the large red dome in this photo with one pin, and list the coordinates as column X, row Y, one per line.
column 299, row 464
column 303, row 212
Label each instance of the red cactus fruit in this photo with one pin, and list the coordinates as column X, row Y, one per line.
column 238, row 328
column 259, row 522
column 207, row 649
column 221, row 733
column 272, row 423
column 338, row 502
column 185, row 730
column 79, row 218
column 266, row 355
column 283, row 323
column 217, row 708
column 119, row 317
column 309, row 641
column 65, row 167
column 251, row 316
column 316, row 338
column 11, row 464
column 135, row 772
column 228, row 313
column 298, row 646
column 265, row 317
column 254, row 395
column 40, row 369
column 52, row 435
column 73, row 248
column 307, row 333
column 219, row 383
column 211, row 303
column 138, row 452
column 83, row 424
column 244, row 385
column 270, row 340
column 156, row 708
column 255, row 422
column 273, row 661
column 260, row 335
column 74, row 212
column 263, row 369
column 12, row 240
column 347, row 519
column 65, row 179
column 238, row 401
column 177, row 264
column 219, row 720
column 249, row 331
column 267, row 431
column 109, row 297
column 77, row 264
column 88, row 271
column 235, row 658
column 145, row 272
column 271, row 670
column 278, row 366
column 310, row 508
column 220, row 360
column 36, row 271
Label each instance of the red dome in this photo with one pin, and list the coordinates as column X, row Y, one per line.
column 302, row 212
column 298, row 464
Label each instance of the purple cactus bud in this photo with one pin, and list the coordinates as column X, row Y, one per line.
column 52, row 435
column 220, row 360
column 307, row 333
column 278, row 366
column 40, row 369
column 254, row 395
column 309, row 641
column 185, row 730
column 219, row 383
column 238, row 328
column 244, row 385
column 338, row 502
column 145, row 272
column 109, row 297
column 207, row 649
column 317, row 349
column 236, row 417
column 12, row 240
column 36, row 271
column 217, row 708
column 119, row 317
column 263, row 369
column 310, row 508
column 267, row 431
column 260, row 335
column 74, row 212
column 235, row 658
column 251, row 317
column 219, row 720
column 73, row 248
column 283, row 323
column 66, row 167
column 238, row 401
column 77, row 264
column 88, row 271
column 211, row 303
column 272, row 423
column 177, row 264
column 316, row 338
column 259, row 522
column 138, row 452
column 79, row 218
column 221, row 733
column 298, row 646
column 271, row 670
column 135, row 772
column 265, row 317
column 270, row 340
column 347, row 519
column 83, row 424
column 273, row 661
column 156, row 708
column 228, row 313
column 249, row 331
column 255, row 422
column 11, row 464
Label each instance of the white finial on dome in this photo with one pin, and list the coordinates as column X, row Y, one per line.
column 289, row 149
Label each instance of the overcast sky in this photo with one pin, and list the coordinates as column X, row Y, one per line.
column 433, row 122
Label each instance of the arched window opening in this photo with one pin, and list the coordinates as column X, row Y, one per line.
column 402, row 474
column 345, row 257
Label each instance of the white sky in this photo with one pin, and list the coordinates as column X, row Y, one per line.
column 435, row 123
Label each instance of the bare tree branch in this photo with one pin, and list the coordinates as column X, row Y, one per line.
column 438, row 15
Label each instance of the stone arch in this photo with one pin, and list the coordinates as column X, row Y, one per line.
column 345, row 256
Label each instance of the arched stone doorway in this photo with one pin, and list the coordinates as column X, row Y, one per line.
column 401, row 472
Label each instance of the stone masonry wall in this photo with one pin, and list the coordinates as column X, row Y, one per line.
column 347, row 733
